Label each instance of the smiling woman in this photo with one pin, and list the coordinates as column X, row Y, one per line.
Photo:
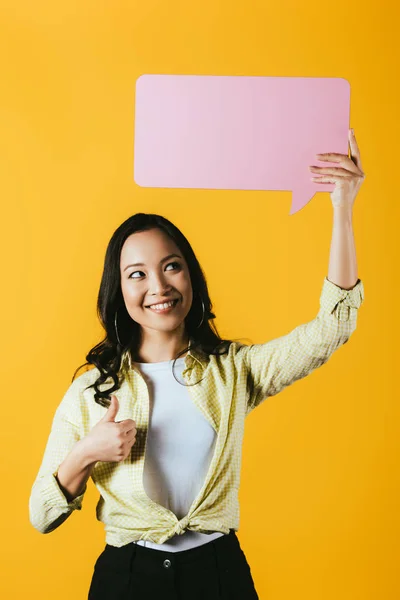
column 168, row 470
column 128, row 301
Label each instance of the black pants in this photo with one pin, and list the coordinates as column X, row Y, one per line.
column 217, row 570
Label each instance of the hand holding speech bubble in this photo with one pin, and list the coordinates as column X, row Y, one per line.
column 241, row 133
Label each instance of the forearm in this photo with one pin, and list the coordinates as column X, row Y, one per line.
column 343, row 270
column 74, row 471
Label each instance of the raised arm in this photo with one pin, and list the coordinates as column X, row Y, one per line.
column 275, row 365
column 348, row 178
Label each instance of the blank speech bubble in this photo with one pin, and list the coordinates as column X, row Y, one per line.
column 238, row 133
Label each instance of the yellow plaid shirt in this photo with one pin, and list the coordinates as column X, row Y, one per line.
column 232, row 386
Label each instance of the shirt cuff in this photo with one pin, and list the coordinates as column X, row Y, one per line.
column 340, row 302
column 53, row 495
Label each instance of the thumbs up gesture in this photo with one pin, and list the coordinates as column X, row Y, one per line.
column 111, row 441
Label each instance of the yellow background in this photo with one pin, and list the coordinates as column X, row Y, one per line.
column 320, row 478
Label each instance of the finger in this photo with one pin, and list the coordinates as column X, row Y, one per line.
column 339, row 158
column 332, row 171
column 112, row 410
column 328, row 179
column 131, row 437
column 128, row 425
column 354, row 151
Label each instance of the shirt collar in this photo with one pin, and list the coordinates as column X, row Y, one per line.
column 193, row 355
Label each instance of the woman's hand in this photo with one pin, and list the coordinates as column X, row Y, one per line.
column 110, row 440
column 348, row 177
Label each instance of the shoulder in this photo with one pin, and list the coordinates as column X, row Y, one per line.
column 85, row 379
column 78, row 405
column 77, row 392
column 233, row 356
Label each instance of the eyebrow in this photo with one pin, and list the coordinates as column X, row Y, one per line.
column 161, row 261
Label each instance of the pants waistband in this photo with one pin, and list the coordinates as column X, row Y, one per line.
column 190, row 555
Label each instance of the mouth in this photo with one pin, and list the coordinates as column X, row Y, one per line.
column 164, row 310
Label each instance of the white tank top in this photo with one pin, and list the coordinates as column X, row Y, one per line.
column 179, row 449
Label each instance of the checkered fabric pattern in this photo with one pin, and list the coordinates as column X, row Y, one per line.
column 228, row 388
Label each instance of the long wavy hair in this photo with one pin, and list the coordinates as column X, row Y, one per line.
column 109, row 353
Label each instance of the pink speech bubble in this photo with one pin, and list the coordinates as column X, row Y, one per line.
column 238, row 133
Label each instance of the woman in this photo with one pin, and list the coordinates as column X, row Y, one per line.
column 158, row 422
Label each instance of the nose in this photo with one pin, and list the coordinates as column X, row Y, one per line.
column 158, row 286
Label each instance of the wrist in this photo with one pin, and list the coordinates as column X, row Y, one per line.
column 83, row 452
column 343, row 209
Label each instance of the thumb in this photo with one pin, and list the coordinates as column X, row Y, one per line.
column 112, row 409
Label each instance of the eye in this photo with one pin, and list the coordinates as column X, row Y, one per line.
column 171, row 263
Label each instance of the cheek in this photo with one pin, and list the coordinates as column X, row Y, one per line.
column 130, row 294
column 185, row 285
column 188, row 298
column 124, row 289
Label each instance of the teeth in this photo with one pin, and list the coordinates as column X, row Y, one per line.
column 162, row 306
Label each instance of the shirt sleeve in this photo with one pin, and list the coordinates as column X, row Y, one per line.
column 48, row 507
column 274, row 365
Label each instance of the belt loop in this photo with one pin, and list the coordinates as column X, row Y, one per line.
column 133, row 551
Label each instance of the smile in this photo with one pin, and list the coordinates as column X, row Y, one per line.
column 165, row 307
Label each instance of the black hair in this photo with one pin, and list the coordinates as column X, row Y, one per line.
column 108, row 354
